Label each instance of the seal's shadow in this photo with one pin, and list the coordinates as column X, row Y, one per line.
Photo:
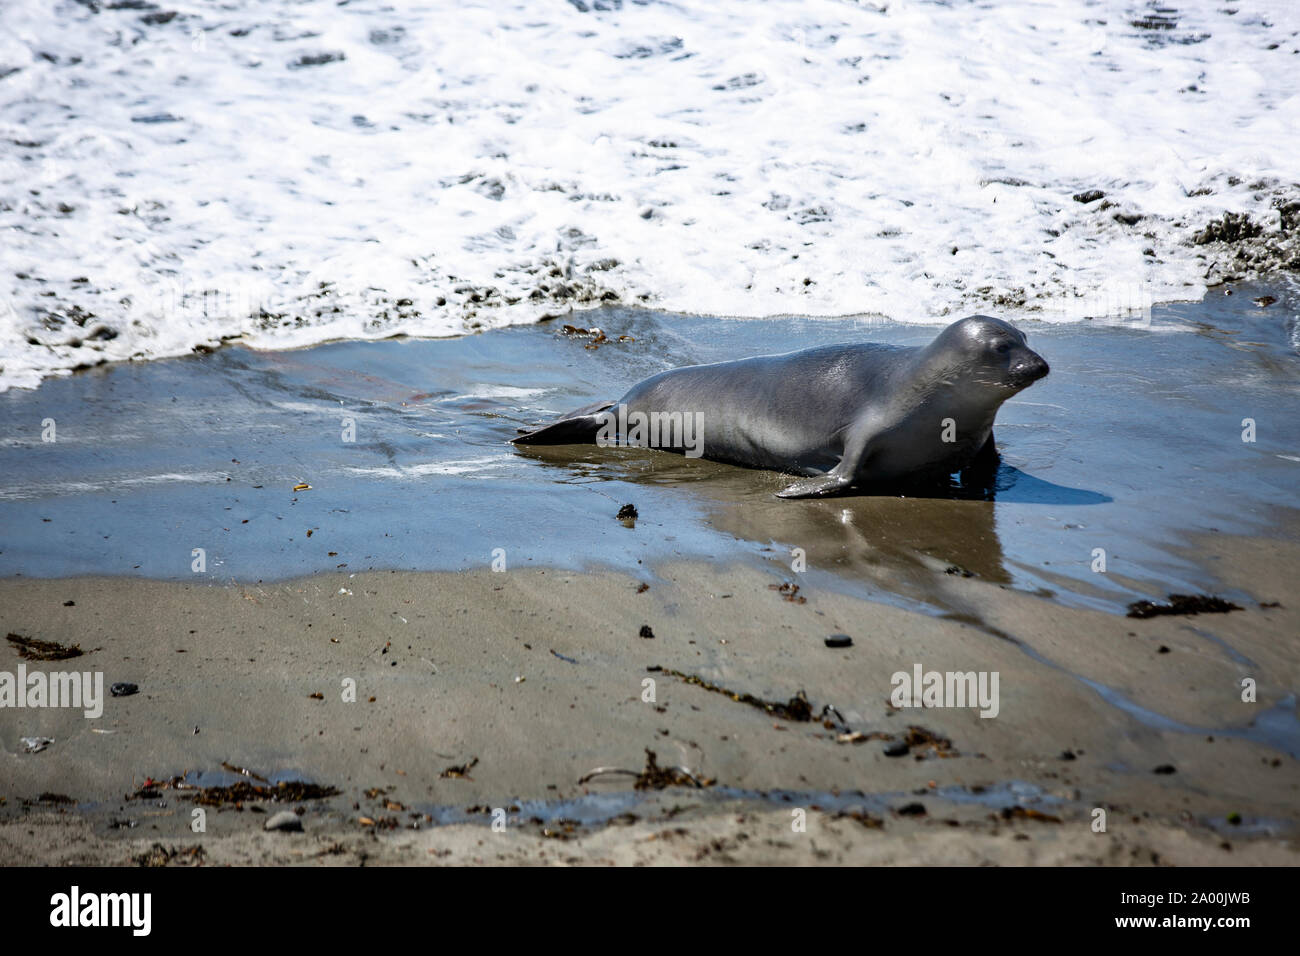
column 1016, row 485
column 1005, row 483
column 903, row 539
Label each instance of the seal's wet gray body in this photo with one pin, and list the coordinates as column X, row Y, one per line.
column 841, row 415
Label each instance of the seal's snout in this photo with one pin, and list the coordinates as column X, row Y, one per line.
column 1029, row 369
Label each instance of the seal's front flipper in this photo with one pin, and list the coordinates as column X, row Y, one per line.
column 982, row 471
column 987, row 456
column 819, row 487
column 579, row 427
column 851, row 467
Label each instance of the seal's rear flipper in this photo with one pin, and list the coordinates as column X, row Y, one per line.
column 819, row 487
column 579, row 427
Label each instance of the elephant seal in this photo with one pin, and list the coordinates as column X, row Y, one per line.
column 844, row 416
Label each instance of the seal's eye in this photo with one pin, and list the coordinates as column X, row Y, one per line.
column 1004, row 348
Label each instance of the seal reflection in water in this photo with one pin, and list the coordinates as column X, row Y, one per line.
column 842, row 416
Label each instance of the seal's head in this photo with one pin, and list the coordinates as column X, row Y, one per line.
column 990, row 352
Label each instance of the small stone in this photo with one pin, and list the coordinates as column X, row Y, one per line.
column 646, row 632
column 1091, row 195
column 1166, row 768
column 911, row 810
column 839, row 640
column 123, row 689
column 1067, row 755
column 285, row 821
column 897, row 749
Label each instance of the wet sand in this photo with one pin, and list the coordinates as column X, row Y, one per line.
column 536, row 672
column 538, row 677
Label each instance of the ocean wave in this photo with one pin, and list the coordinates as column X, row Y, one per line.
column 292, row 171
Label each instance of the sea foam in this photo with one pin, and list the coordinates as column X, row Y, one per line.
column 175, row 175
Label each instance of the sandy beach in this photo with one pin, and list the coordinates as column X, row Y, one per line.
column 532, row 679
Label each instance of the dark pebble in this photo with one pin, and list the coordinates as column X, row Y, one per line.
column 1092, row 195
column 911, row 810
column 1067, row 755
column 1166, row 768
column 839, row 640
column 897, row 749
column 123, row 689
column 646, row 632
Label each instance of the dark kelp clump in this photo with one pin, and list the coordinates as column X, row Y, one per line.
column 918, row 738
column 797, row 708
column 461, row 771
column 1233, row 227
column 1018, row 812
column 32, row 649
column 789, row 592
column 244, row 791
column 655, row 777
column 284, row 792
column 1182, row 604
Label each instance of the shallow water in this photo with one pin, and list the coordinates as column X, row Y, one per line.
column 1132, row 444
